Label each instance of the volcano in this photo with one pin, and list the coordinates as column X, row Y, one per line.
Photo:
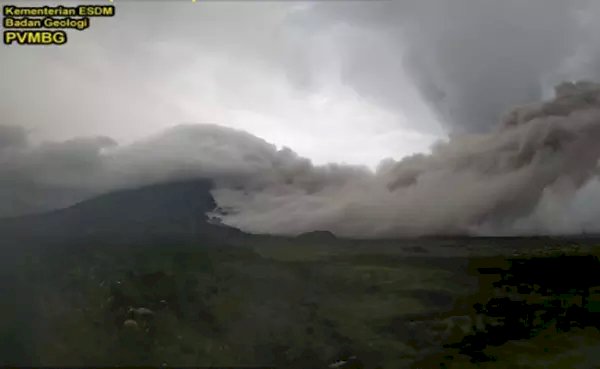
column 166, row 212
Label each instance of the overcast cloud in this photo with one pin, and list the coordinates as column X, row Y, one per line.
column 471, row 60
column 343, row 82
column 256, row 66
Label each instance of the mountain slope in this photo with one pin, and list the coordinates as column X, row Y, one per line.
column 156, row 213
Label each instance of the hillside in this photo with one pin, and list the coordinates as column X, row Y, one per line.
column 157, row 213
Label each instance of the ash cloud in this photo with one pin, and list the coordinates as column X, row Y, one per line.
column 496, row 183
column 537, row 173
column 12, row 136
column 471, row 60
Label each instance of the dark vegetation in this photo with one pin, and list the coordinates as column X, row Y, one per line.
column 139, row 277
column 549, row 302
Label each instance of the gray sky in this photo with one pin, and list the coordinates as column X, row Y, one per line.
column 324, row 78
column 260, row 67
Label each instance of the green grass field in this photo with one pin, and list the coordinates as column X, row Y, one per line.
column 295, row 303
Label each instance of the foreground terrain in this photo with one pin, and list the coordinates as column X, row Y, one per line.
column 307, row 302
